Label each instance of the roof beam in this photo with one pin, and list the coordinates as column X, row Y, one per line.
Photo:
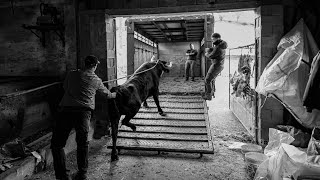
column 159, row 28
column 167, row 18
column 174, row 30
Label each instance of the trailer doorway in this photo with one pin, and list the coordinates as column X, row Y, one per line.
column 167, row 36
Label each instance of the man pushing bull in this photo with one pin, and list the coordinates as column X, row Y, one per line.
column 78, row 102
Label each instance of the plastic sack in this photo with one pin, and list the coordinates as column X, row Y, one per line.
column 283, row 164
column 312, row 166
column 276, row 138
column 286, row 75
column 314, row 147
column 301, row 139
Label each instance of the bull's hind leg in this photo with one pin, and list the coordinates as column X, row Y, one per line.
column 127, row 118
column 145, row 104
column 156, row 100
column 114, row 126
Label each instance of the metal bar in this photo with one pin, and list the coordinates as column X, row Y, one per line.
column 164, row 139
column 209, row 151
column 177, row 107
column 210, row 141
column 177, row 101
column 161, row 132
column 169, row 119
column 229, row 83
column 173, row 112
column 246, row 46
column 161, row 125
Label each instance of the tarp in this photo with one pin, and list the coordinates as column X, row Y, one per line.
column 286, row 75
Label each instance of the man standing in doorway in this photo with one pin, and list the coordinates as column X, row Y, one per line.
column 216, row 54
column 78, row 102
column 192, row 57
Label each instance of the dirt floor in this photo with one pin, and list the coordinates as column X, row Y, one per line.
column 224, row 164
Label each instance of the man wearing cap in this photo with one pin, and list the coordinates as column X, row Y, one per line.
column 78, row 102
column 216, row 54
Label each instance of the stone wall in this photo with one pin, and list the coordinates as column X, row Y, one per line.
column 269, row 30
column 22, row 53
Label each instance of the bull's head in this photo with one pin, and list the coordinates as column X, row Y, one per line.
column 165, row 66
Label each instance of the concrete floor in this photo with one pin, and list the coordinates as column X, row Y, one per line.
column 224, row 164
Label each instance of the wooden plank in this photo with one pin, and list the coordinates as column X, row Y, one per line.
column 162, row 132
column 209, row 151
column 163, row 139
column 179, row 126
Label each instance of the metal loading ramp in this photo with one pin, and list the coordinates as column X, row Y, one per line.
column 184, row 129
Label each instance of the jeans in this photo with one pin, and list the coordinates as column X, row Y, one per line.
column 189, row 65
column 213, row 72
column 79, row 119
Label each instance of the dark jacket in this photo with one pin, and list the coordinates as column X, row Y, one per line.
column 80, row 89
column 192, row 54
column 311, row 97
column 217, row 52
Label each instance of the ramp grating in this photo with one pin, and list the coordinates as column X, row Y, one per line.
column 184, row 129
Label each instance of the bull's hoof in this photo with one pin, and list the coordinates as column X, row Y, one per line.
column 162, row 114
column 134, row 128
column 114, row 158
column 147, row 107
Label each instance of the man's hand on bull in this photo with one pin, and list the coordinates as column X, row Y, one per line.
column 112, row 95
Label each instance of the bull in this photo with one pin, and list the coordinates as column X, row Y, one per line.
column 143, row 84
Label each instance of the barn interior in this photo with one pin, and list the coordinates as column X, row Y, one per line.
column 36, row 55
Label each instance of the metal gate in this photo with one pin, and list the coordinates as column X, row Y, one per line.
column 185, row 128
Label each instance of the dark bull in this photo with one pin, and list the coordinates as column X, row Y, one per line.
column 143, row 84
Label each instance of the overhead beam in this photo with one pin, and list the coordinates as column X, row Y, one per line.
column 194, row 24
column 174, row 30
column 159, row 28
column 166, row 28
column 150, row 30
column 218, row 6
column 173, row 18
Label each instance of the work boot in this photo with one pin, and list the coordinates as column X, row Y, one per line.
column 207, row 96
column 192, row 79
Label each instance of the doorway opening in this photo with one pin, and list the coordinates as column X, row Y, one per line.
column 167, row 36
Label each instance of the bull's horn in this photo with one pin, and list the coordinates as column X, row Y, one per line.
column 170, row 65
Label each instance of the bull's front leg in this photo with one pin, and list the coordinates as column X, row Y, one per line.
column 156, row 100
column 114, row 126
